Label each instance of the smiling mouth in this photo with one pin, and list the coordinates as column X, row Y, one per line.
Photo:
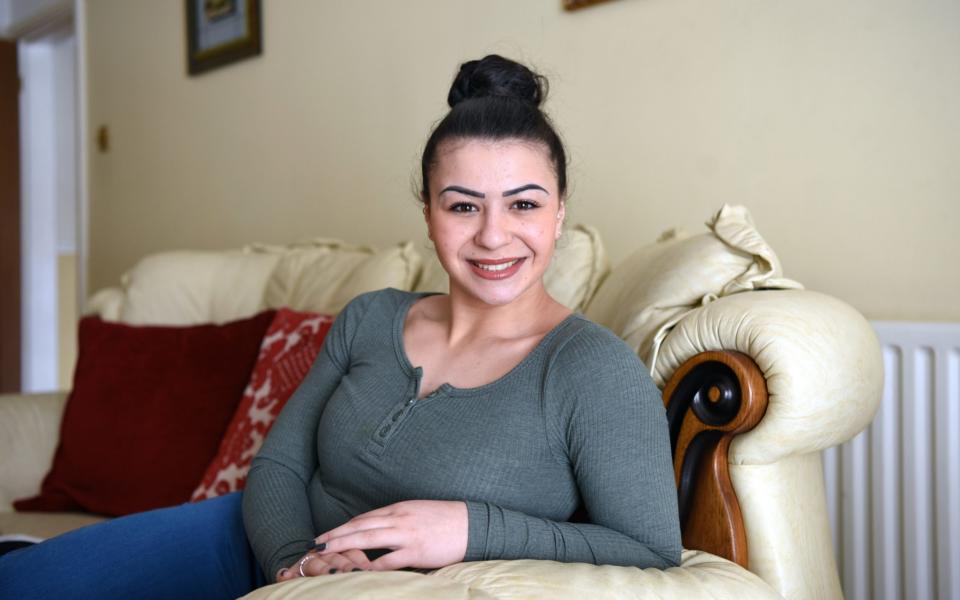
column 496, row 269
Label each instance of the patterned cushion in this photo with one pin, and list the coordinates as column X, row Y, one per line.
column 289, row 348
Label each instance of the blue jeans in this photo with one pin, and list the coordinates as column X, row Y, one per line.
column 197, row 550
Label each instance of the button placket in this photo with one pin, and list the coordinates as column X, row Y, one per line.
column 393, row 419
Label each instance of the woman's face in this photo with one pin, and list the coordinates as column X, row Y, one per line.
column 494, row 217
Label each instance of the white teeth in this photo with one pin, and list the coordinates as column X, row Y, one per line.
column 500, row 267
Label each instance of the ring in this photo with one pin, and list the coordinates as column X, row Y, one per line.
column 303, row 561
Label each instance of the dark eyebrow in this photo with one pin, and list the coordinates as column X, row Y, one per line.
column 462, row 190
column 523, row 188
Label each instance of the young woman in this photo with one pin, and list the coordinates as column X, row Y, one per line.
column 432, row 429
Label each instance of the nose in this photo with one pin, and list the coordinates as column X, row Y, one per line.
column 494, row 231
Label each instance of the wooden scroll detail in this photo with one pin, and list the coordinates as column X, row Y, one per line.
column 710, row 399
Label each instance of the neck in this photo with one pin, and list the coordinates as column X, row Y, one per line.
column 469, row 318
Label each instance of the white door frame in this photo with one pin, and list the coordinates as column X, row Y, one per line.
column 51, row 49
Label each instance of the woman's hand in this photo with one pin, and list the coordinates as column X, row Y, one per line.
column 422, row 533
column 326, row 564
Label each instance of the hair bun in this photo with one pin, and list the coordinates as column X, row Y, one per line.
column 496, row 76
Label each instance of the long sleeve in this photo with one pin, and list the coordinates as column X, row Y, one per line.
column 577, row 422
column 603, row 413
column 276, row 505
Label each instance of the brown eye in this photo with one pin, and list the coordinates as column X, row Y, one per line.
column 525, row 205
column 463, row 207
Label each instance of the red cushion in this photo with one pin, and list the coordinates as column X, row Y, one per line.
column 146, row 413
column 289, row 348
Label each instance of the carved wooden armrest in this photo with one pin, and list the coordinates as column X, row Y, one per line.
column 711, row 398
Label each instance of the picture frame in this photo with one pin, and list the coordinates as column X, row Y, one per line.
column 220, row 32
column 575, row 4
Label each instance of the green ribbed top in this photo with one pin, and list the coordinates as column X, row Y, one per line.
column 577, row 422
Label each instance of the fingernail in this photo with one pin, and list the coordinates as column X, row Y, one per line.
column 313, row 545
column 332, row 571
column 355, row 569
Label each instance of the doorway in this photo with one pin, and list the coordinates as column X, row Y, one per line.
column 48, row 120
column 46, row 59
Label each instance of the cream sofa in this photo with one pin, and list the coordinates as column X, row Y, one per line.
column 672, row 301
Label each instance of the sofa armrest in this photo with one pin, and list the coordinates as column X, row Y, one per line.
column 29, row 431
column 824, row 375
column 819, row 356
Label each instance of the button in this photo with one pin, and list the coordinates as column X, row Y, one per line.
column 384, row 430
column 411, row 401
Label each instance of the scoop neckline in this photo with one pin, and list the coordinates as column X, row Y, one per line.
column 448, row 389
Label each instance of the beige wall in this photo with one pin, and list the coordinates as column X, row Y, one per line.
column 835, row 122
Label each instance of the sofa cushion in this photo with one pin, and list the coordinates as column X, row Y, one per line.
column 287, row 352
column 44, row 525
column 28, row 439
column 649, row 292
column 105, row 304
column 148, row 408
column 578, row 267
column 323, row 275
column 190, row 288
column 700, row 575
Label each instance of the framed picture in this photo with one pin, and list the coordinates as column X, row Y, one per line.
column 575, row 4
column 220, row 32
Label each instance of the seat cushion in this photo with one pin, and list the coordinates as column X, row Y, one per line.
column 44, row 524
column 29, row 427
column 700, row 575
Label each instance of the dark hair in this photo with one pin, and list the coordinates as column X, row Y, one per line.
column 496, row 98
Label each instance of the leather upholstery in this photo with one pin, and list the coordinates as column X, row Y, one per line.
column 659, row 284
column 788, row 536
column 820, row 357
column 44, row 525
column 700, row 575
column 29, row 430
column 824, row 374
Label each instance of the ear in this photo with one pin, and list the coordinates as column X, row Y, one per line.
column 426, row 217
column 560, row 215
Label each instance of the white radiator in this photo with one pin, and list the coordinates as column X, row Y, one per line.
column 893, row 492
